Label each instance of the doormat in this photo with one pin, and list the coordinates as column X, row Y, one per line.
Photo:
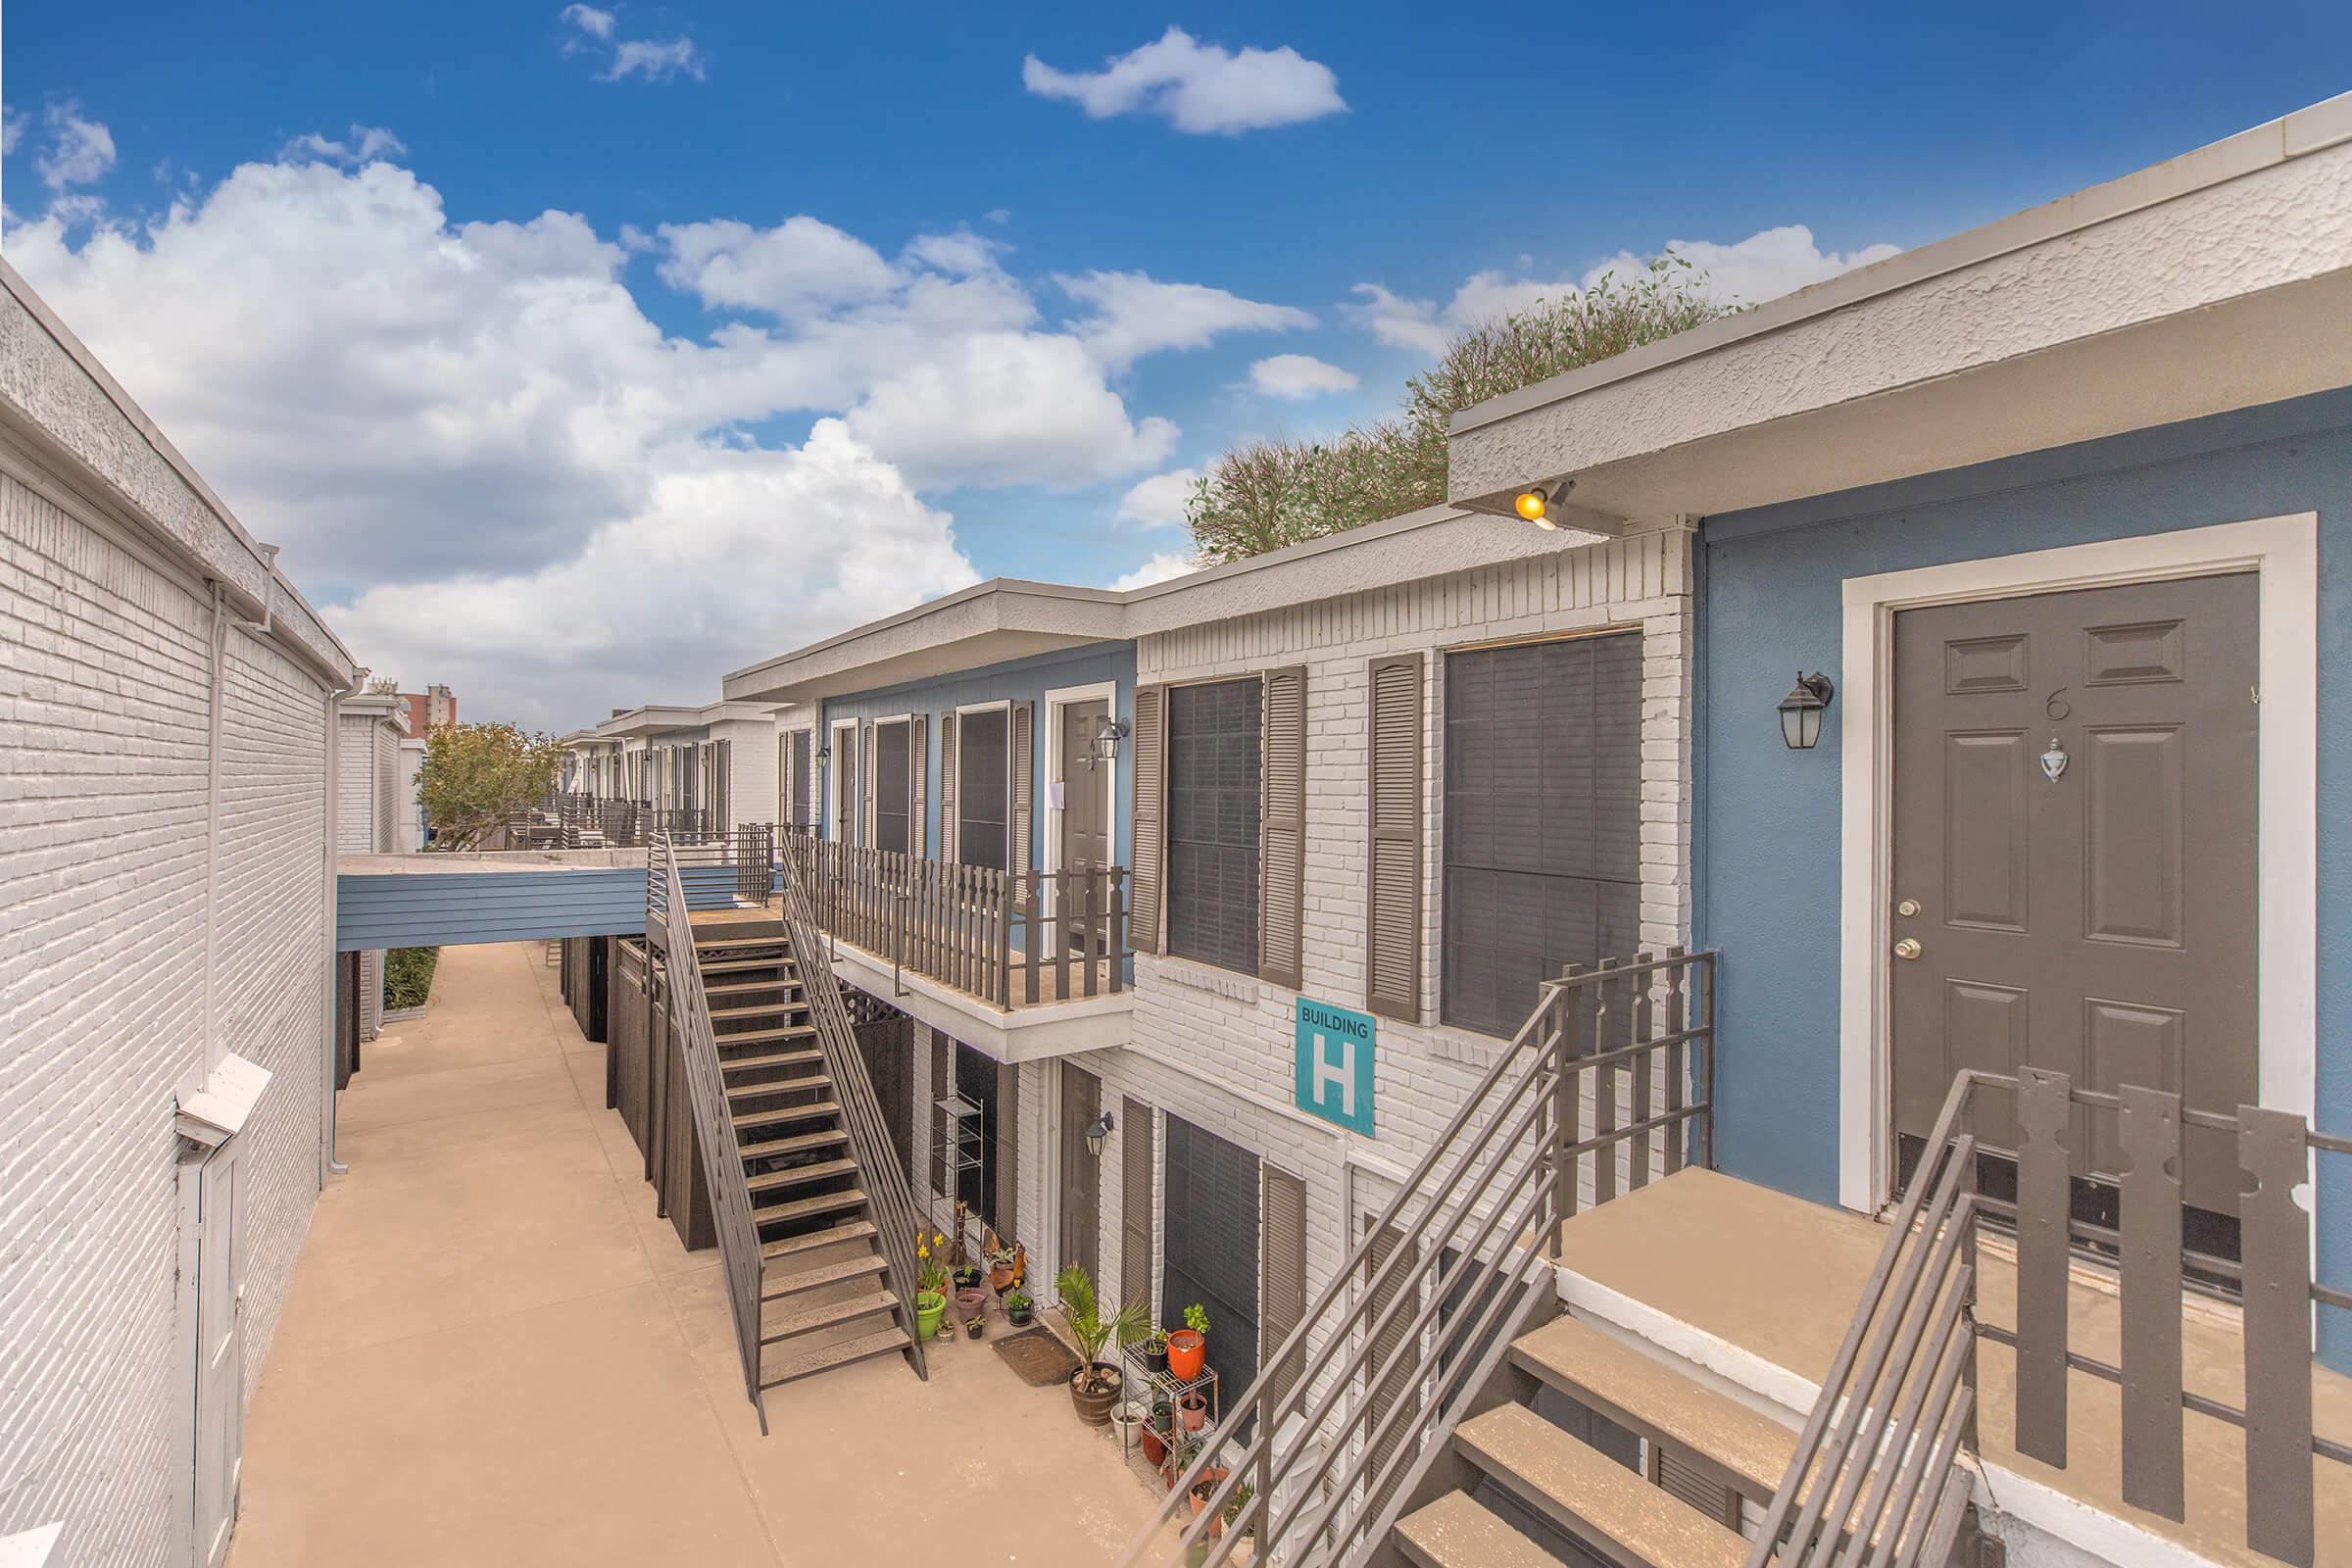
column 1038, row 1356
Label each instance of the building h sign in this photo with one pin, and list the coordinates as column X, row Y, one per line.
column 1335, row 1064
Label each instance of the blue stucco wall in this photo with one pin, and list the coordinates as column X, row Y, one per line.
column 455, row 909
column 1019, row 680
column 1767, row 854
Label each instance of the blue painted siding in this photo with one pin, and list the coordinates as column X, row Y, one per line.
column 1768, row 851
column 455, row 909
column 1022, row 679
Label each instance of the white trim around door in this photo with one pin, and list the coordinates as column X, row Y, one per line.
column 1107, row 693
column 2284, row 552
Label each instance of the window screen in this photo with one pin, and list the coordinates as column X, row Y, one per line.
column 891, row 782
column 983, row 789
column 1213, row 811
column 1543, row 811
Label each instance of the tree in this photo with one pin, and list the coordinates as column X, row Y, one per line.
column 475, row 776
column 1269, row 494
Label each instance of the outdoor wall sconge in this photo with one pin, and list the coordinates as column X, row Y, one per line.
column 1096, row 1130
column 825, row 754
column 1801, row 710
column 1105, row 746
column 1537, row 502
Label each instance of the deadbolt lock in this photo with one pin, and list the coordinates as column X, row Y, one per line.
column 1908, row 909
column 1908, row 948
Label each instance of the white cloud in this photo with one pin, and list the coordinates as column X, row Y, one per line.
column 1300, row 377
column 366, row 143
column 482, row 454
column 595, row 31
column 1762, row 267
column 12, row 130
column 1200, row 88
column 590, row 20
column 1131, row 314
column 80, row 151
column 1159, row 568
column 1158, row 502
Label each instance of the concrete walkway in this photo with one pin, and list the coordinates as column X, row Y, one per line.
column 495, row 1352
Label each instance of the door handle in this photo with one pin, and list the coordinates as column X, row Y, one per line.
column 1908, row 948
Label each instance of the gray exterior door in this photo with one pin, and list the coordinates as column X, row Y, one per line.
column 2074, row 821
column 1212, row 1215
column 893, row 786
column 1080, row 1219
column 1085, row 787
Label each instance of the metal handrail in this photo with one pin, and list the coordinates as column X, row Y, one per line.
column 1512, row 1171
column 897, row 1219
column 1878, row 1473
column 669, row 922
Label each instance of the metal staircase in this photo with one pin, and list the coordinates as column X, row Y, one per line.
column 814, row 1219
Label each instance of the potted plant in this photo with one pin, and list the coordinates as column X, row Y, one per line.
column 967, row 1277
column 931, row 1288
column 1019, row 1310
column 1205, row 1487
column 1156, row 1350
column 1003, row 1265
column 1158, row 1427
column 1095, row 1385
column 1231, row 1519
column 972, row 1326
column 971, row 1302
column 1194, row 1407
column 1128, row 1418
column 1189, row 1344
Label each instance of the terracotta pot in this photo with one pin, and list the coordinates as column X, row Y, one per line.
column 970, row 1302
column 1186, row 1352
column 1093, row 1405
column 1156, row 1451
column 1194, row 1410
column 1211, row 1480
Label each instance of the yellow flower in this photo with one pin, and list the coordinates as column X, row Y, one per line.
column 922, row 1252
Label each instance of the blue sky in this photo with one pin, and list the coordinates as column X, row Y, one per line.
column 634, row 410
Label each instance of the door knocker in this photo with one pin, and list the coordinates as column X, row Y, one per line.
column 2054, row 760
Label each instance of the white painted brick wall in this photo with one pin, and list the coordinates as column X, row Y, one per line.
column 104, row 688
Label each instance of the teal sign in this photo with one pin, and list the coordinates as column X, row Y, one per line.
column 1335, row 1064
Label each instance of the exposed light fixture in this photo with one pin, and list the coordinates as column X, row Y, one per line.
column 1096, row 1130
column 1536, row 502
column 1105, row 745
column 1801, row 710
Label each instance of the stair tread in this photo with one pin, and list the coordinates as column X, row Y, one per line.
column 731, row 943
column 733, row 986
column 776, row 1058
column 770, row 1181
column 854, row 1230
column 808, row 1207
column 1457, row 1531
column 777, row 1286
column 754, row 1091
column 738, row 966
column 785, row 1367
column 783, row 1325
column 1590, row 1494
column 1644, row 1393
column 783, row 1114
column 760, row 1009
column 799, row 1143
column 760, row 1037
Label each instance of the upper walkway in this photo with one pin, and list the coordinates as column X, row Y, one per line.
column 495, row 1352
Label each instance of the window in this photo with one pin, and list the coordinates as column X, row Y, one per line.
column 1543, row 820
column 892, row 781
column 1214, row 822
column 984, row 788
column 797, row 774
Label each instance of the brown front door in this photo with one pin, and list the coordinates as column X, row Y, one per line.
column 1081, row 1218
column 2075, row 820
column 1085, row 790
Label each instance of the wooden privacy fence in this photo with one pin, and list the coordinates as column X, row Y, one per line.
column 1005, row 937
column 1899, row 1406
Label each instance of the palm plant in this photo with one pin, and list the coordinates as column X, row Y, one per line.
column 1081, row 1311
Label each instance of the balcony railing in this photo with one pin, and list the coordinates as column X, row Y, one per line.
column 1011, row 938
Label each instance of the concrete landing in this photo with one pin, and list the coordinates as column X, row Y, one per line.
column 495, row 1352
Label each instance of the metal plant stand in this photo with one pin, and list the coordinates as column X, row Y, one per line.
column 1164, row 1386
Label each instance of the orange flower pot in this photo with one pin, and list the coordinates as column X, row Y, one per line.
column 1186, row 1352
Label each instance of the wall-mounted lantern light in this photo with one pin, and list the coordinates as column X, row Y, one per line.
column 1105, row 747
column 1801, row 710
column 825, row 754
column 1096, row 1130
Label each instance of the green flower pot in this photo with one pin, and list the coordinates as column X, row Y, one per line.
column 929, row 1305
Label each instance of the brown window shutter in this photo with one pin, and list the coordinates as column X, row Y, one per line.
column 943, row 1087
column 1136, row 1221
column 1281, row 860
column 1149, row 815
column 1388, row 1361
column 802, row 769
column 947, row 788
column 918, row 763
column 1024, row 788
column 1009, row 1148
column 1282, row 1294
column 1392, row 899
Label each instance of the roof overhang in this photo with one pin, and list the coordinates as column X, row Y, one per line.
column 649, row 721
column 2218, row 281
column 987, row 624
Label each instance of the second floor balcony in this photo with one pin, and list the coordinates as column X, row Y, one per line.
column 1022, row 964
